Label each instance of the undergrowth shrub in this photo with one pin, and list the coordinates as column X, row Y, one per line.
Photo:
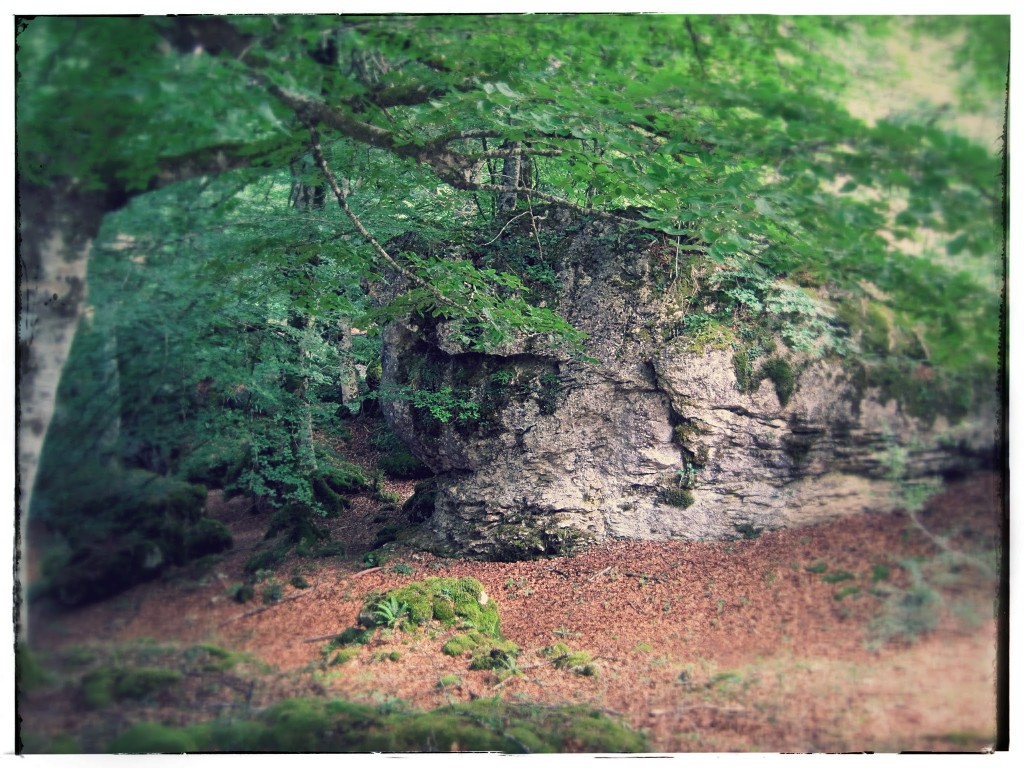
column 909, row 613
column 116, row 528
column 106, row 685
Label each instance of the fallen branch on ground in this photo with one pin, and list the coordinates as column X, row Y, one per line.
column 368, row 570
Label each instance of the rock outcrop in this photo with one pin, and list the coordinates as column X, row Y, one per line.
column 655, row 440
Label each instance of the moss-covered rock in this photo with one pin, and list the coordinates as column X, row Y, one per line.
column 487, row 651
column 450, row 601
column 121, row 527
column 528, row 538
column 782, row 376
column 420, row 506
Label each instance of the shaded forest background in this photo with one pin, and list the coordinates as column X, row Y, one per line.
column 209, row 207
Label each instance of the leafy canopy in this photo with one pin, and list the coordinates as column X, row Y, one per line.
column 732, row 135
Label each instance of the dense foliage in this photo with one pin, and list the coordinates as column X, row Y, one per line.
column 262, row 174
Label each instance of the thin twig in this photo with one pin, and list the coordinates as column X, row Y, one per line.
column 729, row 710
column 517, row 216
column 603, row 571
column 490, row 153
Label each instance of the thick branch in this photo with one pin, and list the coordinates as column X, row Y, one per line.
column 216, row 159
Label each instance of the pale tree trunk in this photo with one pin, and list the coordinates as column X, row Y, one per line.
column 55, row 234
column 511, row 172
column 307, row 448
column 349, row 382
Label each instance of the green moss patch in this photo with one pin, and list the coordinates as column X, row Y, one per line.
column 676, row 497
column 402, row 465
column 315, row 725
column 105, row 685
column 579, row 662
column 450, row 601
column 488, row 652
column 146, row 738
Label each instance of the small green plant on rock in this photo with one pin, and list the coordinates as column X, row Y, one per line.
column 676, row 497
column 390, row 612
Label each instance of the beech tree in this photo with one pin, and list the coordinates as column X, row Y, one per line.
column 730, row 138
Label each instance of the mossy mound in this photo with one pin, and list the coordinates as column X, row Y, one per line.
column 578, row 662
column 105, row 685
column 452, row 602
column 315, row 725
column 121, row 527
column 676, row 497
column 148, row 738
column 420, row 506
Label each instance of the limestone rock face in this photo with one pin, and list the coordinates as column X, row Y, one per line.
column 654, row 441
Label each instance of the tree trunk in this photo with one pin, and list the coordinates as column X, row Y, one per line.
column 511, row 171
column 349, row 381
column 56, row 231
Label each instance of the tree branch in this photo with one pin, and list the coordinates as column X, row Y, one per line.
column 342, row 197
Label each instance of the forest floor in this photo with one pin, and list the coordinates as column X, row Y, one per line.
column 856, row 635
